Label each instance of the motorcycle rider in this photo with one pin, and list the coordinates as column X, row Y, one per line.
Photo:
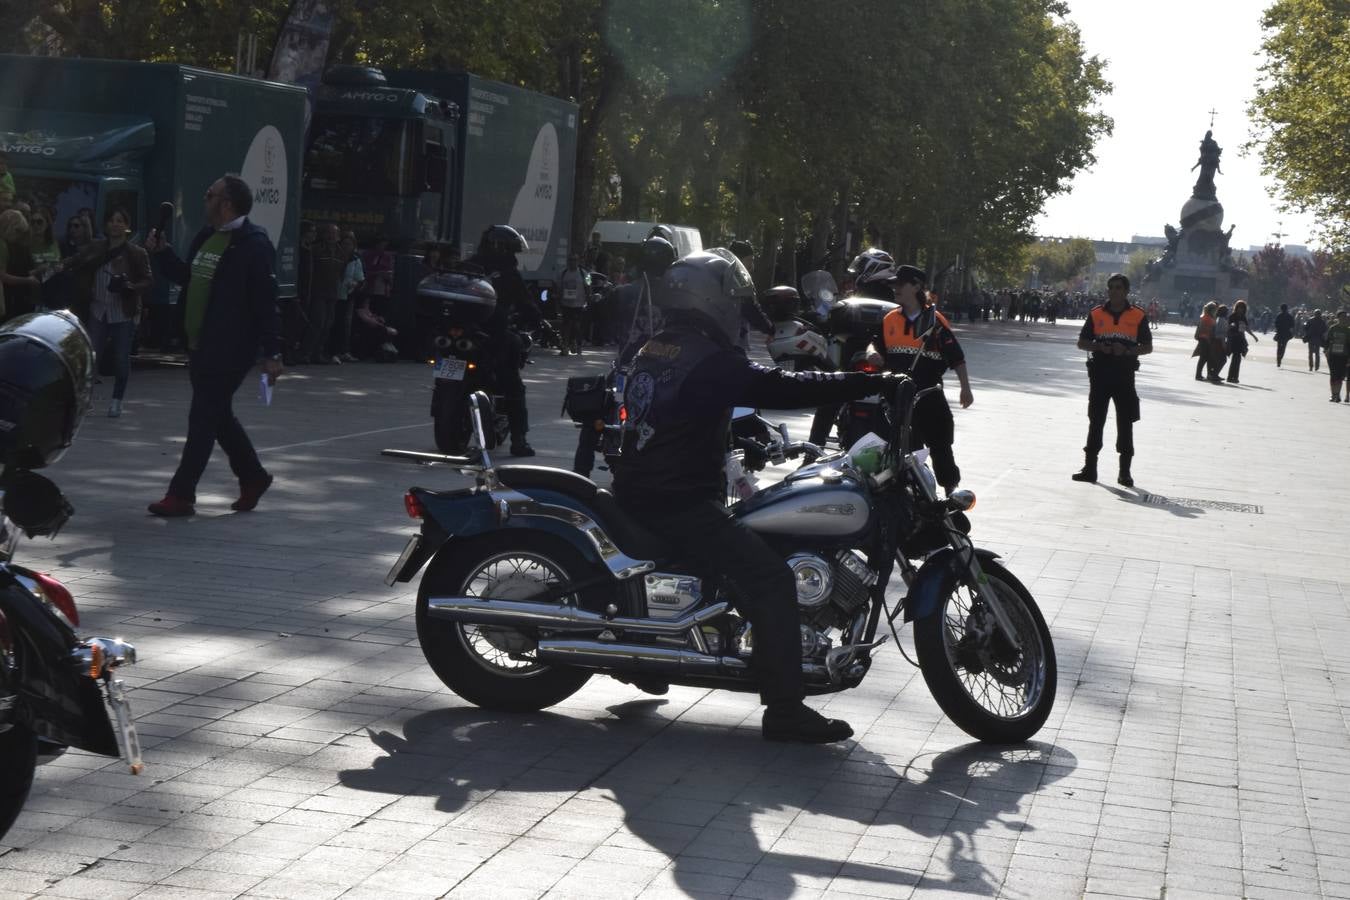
column 637, row 322
column 918, row 340
column 496, row 256
column 679, row 398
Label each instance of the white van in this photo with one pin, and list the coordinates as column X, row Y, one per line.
column 625, row 238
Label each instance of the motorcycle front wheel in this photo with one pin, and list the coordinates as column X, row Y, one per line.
column 494, row 666
column 18, row 759
column 993, row 691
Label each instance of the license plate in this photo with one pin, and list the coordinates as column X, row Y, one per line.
column 413, row 543
column 450, row 369
column 126, row 726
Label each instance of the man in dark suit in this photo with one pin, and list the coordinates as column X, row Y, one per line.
column 229, row 305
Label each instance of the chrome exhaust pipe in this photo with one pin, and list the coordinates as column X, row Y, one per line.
column 557, row 616
column 635, row 658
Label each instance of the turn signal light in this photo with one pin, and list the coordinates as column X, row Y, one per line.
column 962, row 499
column 55, row 593
column 471, row 366
column 95, row 659
column 413, row 506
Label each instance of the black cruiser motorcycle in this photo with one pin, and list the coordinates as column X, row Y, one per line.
column 53, row 683
column 537, row 581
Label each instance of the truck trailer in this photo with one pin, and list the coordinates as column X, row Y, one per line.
column 87, row 135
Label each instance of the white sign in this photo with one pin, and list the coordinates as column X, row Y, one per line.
column 537, row 199
column 265, row 171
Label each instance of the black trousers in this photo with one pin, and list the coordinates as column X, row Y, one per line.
column 211, row 421
column 1103, row 391
column 707, row 538
column 1280, row 344
column 588, row 441
column 932, row 427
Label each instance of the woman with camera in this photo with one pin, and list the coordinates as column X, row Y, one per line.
column 111, row 273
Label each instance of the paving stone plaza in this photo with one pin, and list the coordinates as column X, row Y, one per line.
column 298, row 746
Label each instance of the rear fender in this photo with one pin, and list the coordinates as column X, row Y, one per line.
column 461, row 515
column 53, row 698
column 935, row 578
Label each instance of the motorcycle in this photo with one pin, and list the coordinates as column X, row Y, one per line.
column 536, row 580
column 53, row 683
column 838, row 342
column 453, row 306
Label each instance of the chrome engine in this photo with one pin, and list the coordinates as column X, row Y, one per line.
column 830, row 592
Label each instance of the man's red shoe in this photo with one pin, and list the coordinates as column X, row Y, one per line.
column 250, row 492
column 172, row 507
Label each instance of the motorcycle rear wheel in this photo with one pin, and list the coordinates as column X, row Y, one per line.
column 492, row 667
column 451, row 423
column 18, row 760
column 991, row 691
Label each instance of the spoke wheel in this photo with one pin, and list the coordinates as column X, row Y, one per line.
column 494, row 666
column 990, row 689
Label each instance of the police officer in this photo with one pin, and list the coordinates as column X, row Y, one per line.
column 632, row 303
column 1117, row 334
column 679, row 398
column 918, row 341
column 496, row 256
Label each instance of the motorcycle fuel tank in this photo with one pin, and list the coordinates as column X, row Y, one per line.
column 829, row 504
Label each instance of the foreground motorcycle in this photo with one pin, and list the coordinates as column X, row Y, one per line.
column 53, row 684
column 538, row 580
column 452, row 307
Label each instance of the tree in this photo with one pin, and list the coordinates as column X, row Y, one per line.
column 1061, row 264
column 1302, row 110
column 1136, row 267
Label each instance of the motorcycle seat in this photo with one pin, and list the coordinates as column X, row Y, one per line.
column 631, row 537
column 561, row 480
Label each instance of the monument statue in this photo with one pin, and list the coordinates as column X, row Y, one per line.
column 1198, row 258
column 1208, row 164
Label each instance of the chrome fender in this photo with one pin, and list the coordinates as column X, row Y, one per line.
column 935, row 577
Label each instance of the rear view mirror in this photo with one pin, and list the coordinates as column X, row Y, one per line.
column 36, row 504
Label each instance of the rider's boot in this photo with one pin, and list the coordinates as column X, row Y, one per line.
column 793, row 720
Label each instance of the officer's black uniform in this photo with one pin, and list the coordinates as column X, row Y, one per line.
column 512, row 296
column 925, row 359
column 679, row 398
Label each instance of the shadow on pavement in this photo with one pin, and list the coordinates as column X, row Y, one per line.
column 696, row 794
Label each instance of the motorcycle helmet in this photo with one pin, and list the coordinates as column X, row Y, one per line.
column 706, row 289
column 664, row 232
column 780, row 303
column 501, row 241
column 657, row 255
column 871, row 266
column 46, row 387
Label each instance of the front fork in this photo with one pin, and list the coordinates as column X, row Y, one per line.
column 973, row 574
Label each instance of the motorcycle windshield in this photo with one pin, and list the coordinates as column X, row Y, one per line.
column 819, row 287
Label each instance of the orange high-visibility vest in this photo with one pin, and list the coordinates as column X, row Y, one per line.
column 1106, row 328
column 901, row 339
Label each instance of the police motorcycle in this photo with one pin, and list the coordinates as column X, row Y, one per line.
column 452, row 308
column 838, row 342
column 536, row 580
column 56, row 688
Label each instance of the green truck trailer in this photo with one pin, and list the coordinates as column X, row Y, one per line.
column 90, row 134
column 438, row 157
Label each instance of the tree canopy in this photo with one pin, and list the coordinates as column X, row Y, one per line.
column 937, row 128
column 1302, row 111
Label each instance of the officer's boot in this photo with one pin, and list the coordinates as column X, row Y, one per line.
column 1124, row 476
column 1089, row 472
column 518, row 420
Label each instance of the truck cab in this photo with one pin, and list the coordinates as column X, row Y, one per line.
column 380, row 159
